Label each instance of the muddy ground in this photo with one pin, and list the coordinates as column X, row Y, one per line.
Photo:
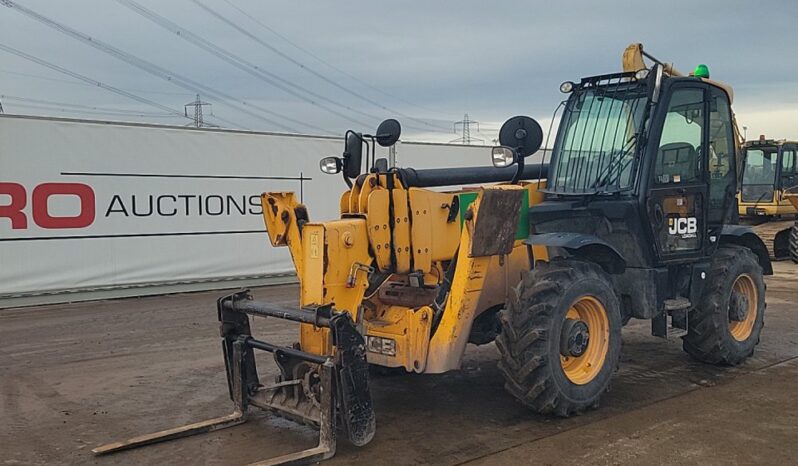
column 75, row 376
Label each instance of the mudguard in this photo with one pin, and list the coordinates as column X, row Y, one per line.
column 583, row 245
column 744, row 235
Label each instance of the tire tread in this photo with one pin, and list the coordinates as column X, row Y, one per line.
column 524, row 340
column 707, row 339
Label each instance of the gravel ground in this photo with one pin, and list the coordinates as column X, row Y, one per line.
column 79, row 375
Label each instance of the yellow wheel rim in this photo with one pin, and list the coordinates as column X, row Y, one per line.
column 584, row 368
column 741, row 330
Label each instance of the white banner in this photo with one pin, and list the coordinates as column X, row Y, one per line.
column 96, row 205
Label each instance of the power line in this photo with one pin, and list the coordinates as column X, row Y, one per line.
column 231, row 123
column 242, row 64
column 88, row 80
column 67, row 81
column 85, row 107
column 51, row 108
column 310, row 70
column 76, row 108
column 324, row 62
column 160, row 72
column 465, row 124
column 41, row 104
column 91, row 112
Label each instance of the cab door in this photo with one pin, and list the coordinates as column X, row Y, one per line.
column 788, row 171
column 721, row 167
column 678, row 189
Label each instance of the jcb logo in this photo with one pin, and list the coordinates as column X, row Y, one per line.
column 39, row 199
column 683, row 226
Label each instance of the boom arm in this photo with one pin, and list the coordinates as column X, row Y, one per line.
column 633, row 61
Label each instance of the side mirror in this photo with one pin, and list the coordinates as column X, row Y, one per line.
column 331, row 165
column 523, row 134
column 388, row 132
column 503, row 156
column 657, row 87
column 353, row 154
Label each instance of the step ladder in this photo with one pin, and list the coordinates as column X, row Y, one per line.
column 672, row 322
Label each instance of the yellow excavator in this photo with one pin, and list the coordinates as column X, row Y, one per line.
column 628, row 219
column 769, row 182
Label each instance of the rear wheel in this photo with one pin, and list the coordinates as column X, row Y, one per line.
column 794, row 242
column 725, row 327
column 561, row 337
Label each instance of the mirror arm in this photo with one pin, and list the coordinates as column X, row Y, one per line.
column 374, row 153
column 519, row 168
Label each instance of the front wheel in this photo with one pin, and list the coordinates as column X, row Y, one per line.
column 561, row 337
column 725, row 327
column 794, row 242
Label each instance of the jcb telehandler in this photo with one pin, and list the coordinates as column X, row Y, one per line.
column 770, row 179
column 631, row 221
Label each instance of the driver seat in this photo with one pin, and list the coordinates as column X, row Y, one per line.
column 678, row 158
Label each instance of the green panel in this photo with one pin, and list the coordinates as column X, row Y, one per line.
column 523, row 220
column 465, row 200
column 521, row 232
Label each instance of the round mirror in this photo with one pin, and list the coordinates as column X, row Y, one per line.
column 388, row 132
column 522, row 133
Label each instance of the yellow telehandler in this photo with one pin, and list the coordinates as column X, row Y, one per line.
column 628, row 219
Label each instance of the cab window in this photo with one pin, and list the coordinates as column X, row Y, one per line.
column 788, row 162
column 721, row 156
column 789, row 175
column 679, row 158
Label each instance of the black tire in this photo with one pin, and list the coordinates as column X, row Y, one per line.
column 531, row 335
column 794, row 242
column 709, row 338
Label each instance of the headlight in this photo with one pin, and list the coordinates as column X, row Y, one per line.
column 641, row 74
column 330, row 165
column 566, row 87
column 503, row 156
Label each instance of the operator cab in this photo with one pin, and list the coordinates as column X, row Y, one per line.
column 643, row 155
column 770, row 171
column 642, row 181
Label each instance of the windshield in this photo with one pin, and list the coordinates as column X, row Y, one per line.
column 760, row 174
column 597, row 140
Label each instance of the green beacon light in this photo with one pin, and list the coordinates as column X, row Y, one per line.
column 701, row 71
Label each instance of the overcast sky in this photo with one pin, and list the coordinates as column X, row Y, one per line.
column 431, row 62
